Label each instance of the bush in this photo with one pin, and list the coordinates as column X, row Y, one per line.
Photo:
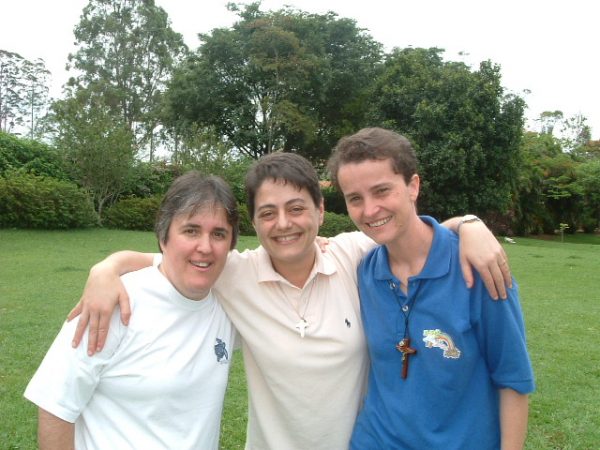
column 31, row 157
column 133, row 213
column 334, row 200
column 31, row 201
column 335, row 224
column 246, row 228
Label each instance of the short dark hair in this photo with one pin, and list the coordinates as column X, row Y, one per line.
column 374, row 144
column 286, row 168
column 192, row 192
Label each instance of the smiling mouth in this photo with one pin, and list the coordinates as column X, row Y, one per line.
column 379, row 223
column 287, row 238
column 201, row 265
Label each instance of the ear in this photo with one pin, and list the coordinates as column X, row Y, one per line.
column 413, row 187
column 321, row 212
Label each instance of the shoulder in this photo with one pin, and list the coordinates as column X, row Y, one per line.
column 373, row 259
column 352, row 246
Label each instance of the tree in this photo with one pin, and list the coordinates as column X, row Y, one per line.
column 530, row 213
column 549, row 120
column 465, row 129
column 97, row 145
column 36, row 92
column 23, row 92
column 588, row 181
column 126, row 52
column 282, row 80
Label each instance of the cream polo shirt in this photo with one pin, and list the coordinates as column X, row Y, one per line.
column 304, row 393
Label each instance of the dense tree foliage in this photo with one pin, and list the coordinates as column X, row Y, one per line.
column 126, row 52
column 30, row 156
column 98, row 146
column 283, row 80
column 465, row 129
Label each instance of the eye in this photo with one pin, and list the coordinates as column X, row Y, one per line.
column 382, row 190
column 296, row 210
column 266, row 215
column 190, row 231
column 353, row 199
column 220, row 235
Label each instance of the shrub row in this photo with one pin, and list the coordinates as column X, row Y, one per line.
column 32, row 201
column 335, row 224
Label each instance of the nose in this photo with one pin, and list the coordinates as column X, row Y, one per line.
column 371, row 208
column 282, row 220
column 203, row 244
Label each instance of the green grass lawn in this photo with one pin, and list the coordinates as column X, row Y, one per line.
column 42, row 275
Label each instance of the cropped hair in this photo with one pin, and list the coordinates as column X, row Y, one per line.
column 192, row 192
column 373, row 144
column 285, row 168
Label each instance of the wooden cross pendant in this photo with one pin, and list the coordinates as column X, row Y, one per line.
column 302, row 326
column 404, row 347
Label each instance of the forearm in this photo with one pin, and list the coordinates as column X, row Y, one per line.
column 514, row 408
column 123, row 262
column 55, row 433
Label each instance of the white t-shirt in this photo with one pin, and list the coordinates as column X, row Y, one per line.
column 159, row 383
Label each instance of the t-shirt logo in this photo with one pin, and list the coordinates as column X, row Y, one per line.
column 221, row 351
column 437, row 338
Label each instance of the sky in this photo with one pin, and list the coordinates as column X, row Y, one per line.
column 548, row 50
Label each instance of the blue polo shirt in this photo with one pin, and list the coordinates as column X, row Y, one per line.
column 468, row 347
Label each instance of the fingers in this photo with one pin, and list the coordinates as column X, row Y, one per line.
column 487, row 276
column 80, row 329
column 506, row 275
column 102, row 332
column 125, row 307
column 467, row 271
column 75, row 311
column 93, row 334
column 497, row 278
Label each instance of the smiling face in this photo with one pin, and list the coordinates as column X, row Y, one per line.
column 195, row 251
column 379, row 201
column 287, row 221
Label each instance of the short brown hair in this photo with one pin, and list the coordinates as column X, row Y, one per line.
column 374, row 144
column 286, row 168
column 191, row 192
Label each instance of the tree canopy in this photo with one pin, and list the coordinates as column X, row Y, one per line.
column 126, row 51
column 283, row 80
column 466, row 131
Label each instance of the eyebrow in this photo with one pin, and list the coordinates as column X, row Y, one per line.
column 289, row 202
column 372, row 188
column 199, row 227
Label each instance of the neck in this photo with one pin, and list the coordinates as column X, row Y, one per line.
column 296, row 273
column 407, row 256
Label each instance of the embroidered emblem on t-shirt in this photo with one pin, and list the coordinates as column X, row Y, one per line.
column 437, row 338
column 348, row 324
column 221, row 351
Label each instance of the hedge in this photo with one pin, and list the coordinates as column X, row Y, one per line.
column 32, row 201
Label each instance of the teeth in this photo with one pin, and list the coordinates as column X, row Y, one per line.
column 286, row 238
column 203, row 265
column 379, row 222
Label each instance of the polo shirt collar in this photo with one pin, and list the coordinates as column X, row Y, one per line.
column 438, row 259
column 266, row 272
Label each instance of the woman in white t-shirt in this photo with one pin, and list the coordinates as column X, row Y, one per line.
column 160, row 382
